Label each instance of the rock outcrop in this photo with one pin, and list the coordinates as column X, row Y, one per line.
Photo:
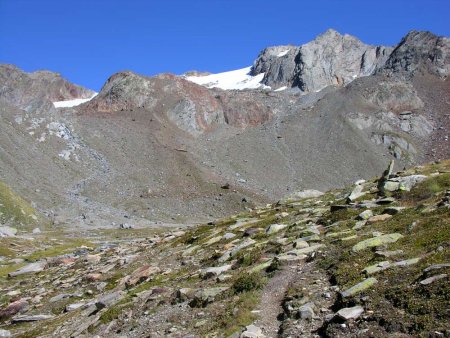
column 331, row 59
column 420, row 51
column 35, row 91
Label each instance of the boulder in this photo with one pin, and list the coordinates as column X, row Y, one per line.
column 360, row 287
column 304, row 251
column 252, row 331
column 377, row 241
column 31, row 318
column 13, row 308
column 214, row 271
column 377, row 267
column 356, row 193
column 306, row 311
column 379, row 218
column 274, row 228
column 432, row 279
column 233, row 251
column 30, row 268
column 5, row 333
column 300, row 244
column 6, row 231
column 350, row 312
column 141, row 274
column 109, row 299
column 205, row 296
column 365, row 215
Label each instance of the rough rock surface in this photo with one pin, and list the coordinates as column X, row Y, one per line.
column 331, row 59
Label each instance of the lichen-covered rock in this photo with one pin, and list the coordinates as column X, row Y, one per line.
column 377, row 241
column 360, row 287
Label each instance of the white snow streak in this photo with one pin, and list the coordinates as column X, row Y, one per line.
column 235, row 79
column 72, row 103
column 282, row 53
column 280, row 89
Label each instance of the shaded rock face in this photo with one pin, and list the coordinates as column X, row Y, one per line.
column 35, row 91
column 278, row 64
column 191, row 107
column 420, row 50
column 330, row 59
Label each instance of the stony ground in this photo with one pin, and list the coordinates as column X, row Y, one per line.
column 371, row 260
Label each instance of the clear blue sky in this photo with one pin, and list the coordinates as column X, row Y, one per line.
column 88, row 40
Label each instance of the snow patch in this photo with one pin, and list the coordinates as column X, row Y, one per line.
column 282, row 53
column 280, row 89
column 236, row 79
column 72, row 103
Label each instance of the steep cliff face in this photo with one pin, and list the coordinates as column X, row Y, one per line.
column 335, row 59
column 330, row 59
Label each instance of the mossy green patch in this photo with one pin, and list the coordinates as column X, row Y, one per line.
column 15, row 209
column 59, row 249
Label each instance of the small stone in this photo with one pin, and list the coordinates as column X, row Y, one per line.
column 391, row 186
column 379, row 218
column 200, row 323
column 252, row 331
column 362, row 286
column 406, row 262
column 30, row 268
column 300, row 244
column 13, row 308
column 393, row 210
column 252, row 231
column 377, row 267
column 388, row 253
column 350, row 312
column 386, row 200
column 5, row 333
column 214, row 271
column 304, row 251
column 36, row 231
column 204, row 296
column 437, row 267
column 306, row 311
column 433, row 279
column 185, row 294
column 108, row 299
column 228, row 235
column 365, row 215
column 6, row 231
column 359, row 225
column 74, row 306
column 93, row 277
column 13, row 293
column 31, row 318
column 213, row 240
column 377, row 241
column 223, row 278
column 356, row 193
column 93, row 258
column 274, row 228
column 141, row 274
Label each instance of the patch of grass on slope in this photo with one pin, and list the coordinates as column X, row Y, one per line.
column 15, row 209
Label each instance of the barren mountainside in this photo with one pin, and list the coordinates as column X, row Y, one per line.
column 325, row 112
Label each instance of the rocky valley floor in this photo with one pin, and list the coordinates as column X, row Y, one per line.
column 371, row 260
